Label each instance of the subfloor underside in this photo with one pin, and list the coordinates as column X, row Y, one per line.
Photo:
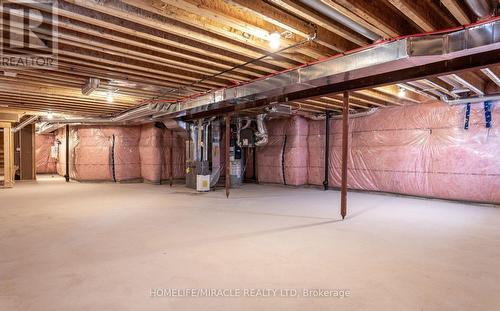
column 108, row 246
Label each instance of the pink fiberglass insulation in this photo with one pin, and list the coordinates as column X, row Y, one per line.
column 288, row 142
column 61, row 158
column 179, row 155
column 296, row 155
column 420, row 150
column 45, row 164
column 270, row 156
column 94, row 148
column 152, row 153
column 126, row 151
column 90, row 152
column 167, row 152
column 138, row 153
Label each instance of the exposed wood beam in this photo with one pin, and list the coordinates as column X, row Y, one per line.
column 216, row 12
column 457, row 11
column 423, row 13
column 393, row 91
column 491, row 75
column 142, row 32
column 139, row 15
column 293, row 24
column 338, row 100
column 381, row 15
column 319, row 20
column 348, row 9
column 470, row 81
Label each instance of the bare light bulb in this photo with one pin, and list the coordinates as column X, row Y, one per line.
column 402, row 92
column 274, row 40
column 50, row 116
column 109, row 98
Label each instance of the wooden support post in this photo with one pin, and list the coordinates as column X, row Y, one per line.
column 345, row 145
column 228, row 146
column 8, row 156
column 327, row 149
column 67, row 153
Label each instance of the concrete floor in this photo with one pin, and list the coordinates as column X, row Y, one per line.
column 105, row 246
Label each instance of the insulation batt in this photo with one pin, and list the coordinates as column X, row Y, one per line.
column 155, row 154
column 45, row 164
column 288, row 141
column 138, row 152
column 152, row 153
column 420, row 150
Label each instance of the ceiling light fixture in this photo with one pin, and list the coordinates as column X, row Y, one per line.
column 402, row 92
column 274, row 40
column 50, row 115
column 109, row 98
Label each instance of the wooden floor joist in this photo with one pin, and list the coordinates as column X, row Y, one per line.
column 144, row 49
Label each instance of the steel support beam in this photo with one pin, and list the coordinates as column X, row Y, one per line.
column 440, row 68
column 228, row 146
column 345, row 146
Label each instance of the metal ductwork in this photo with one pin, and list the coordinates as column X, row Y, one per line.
column 45, row 127
column 122, row 118
column 240, row 127
column 203, row 152
column 382, row 58
column 261, row 134
column 326, row 10
column 175, row 125
column 25, row 123
column 90, row 86
column 216, row 167
column 481, row 8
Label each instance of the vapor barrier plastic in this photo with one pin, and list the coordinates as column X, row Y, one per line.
column 286, row 152
column 122, row 153
column 45, row 163
column 152, row 153
column 420, row 150
column 270, row 156
column 158, row 160
column 179, row 156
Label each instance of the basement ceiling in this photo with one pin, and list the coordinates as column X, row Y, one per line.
column 170, row 49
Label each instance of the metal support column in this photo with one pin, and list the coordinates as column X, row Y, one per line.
column 327, row 149
column 171, row 158
column 228, row 146
column 67, row 153
column 345, row 137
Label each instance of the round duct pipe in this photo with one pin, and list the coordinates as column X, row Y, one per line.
column 336, row 16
